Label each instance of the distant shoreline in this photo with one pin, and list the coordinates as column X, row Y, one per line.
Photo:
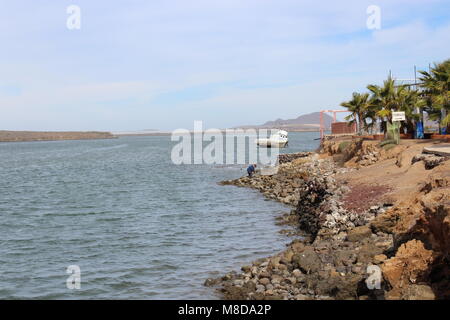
column 29, row 136
column 218, row 130
column 26, row 136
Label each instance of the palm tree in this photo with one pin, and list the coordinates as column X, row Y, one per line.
column 384, row 100
column 436, row 85
column 358, row 107
column 408, row 101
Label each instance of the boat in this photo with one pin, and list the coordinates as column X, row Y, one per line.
column 276, row 140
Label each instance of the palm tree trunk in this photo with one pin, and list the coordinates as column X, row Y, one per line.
column 360, row 124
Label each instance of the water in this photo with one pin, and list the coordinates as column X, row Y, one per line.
column 138, row 226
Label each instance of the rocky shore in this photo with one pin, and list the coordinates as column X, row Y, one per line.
column 358, row 240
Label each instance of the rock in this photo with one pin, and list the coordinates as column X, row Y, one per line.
column 260, row 288
column 340, row 287
column 269, row 292
column 246, row 269
column 282, row 267
column 357, row 269
column 211, row 282
column 418, row 292
column 297, row 273
column 307, row 261
column 287, row 256
column 234, row 293
column 409, row 265
column 297, row 247
column 429, row 160
column 291, row 280
column 344, row 257
column 379, row 258
column 289, row 157
column 250, row 286
column 367, row 252
column 341, row 236
column 275, row 261
column 302, row 297
column 276, row 279
column 238, row 282
column 269, row 286
column 359, row 233
column 264, row 281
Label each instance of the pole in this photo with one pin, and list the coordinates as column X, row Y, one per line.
column 415, row 78
column 321, row 125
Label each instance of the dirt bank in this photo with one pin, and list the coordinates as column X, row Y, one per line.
column 360, row 205
column 18, row 136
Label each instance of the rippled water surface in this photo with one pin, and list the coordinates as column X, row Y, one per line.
column 137, row 225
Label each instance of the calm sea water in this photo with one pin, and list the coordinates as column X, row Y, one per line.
column 138, row 226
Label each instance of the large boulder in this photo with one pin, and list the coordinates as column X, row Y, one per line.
column 418, row 292
column 359, row 233
column 307, row 261
column 430, row 160
column 409, row 266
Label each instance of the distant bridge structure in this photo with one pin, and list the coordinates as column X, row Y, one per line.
column 322, row 125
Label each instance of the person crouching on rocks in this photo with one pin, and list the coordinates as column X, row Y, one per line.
column 251, row 170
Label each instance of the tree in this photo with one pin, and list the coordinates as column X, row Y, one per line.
column 436, row 86
column 358, row 106
column 385, row 99
column 408, row 101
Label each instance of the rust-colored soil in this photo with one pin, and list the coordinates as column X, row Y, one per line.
column 360, row 198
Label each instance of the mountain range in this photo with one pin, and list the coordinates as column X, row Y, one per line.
column 306, row 122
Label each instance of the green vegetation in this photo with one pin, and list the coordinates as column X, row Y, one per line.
column 432, row 95
column 343, row 146
column 389, row 146
column 436, row 84
column 386, row 142
column 358, row 107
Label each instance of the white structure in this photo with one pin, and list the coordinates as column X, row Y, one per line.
column 277, row 140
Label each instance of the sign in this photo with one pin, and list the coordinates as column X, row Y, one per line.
column 398, row 116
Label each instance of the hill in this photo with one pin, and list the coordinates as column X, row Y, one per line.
column 306, row 122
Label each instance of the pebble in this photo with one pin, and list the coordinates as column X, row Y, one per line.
column 297, row 273
column 260, row 288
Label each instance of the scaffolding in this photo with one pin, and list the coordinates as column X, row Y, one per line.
column 412, row 84
column 322, row 125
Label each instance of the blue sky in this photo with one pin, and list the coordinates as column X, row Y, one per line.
column 142, row 64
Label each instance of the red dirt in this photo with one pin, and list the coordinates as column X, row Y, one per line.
column 360, row 198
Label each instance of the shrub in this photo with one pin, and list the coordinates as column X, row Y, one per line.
column 389, row 146
column 343, row 146
column 386, row 142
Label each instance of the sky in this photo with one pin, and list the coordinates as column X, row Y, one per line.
column 161, row 64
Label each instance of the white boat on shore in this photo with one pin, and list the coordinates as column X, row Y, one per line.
column 276, row 140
